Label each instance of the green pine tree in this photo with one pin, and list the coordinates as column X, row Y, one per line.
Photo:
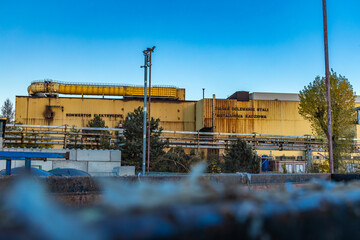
column 131, row 143
column 241, row 158
column 102, row 136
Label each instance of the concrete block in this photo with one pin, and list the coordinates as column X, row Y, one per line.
column 71, row 164
column 93, row 155
column 115, row 156
column 101, row 174
column 14, row 149
column 56, row 159
column 73, row 155
column 2, row 164
column 51, row 150
column 102, row 167
column 45, row 165
column 124, row 171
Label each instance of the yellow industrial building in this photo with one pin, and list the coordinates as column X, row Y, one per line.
column 242, row 112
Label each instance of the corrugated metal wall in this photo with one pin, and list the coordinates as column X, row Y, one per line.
column 266, row 117
column 260, row 116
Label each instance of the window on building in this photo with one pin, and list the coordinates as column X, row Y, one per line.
column 289, row 168
column 299, row 168
column 351, row 167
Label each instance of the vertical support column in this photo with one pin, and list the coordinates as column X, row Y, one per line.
column 8, row 167
column 308, row 154
column 213, row 150
column 254, row 141
column 65, row 138
column 22, row 136
column 213, row 114
column 2, row 132
column 27, row 164
column 198, row 143
column 149, row 118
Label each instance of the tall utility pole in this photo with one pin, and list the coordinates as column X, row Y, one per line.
column 328, row 98
column 147, row 63
column 146, row 55
column 149, row 117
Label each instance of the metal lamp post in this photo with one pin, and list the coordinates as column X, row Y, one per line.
column 328, row 96
column 147, row 63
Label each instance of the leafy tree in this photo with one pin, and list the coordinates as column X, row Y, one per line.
column 241, row 158
column 313, row 108
column 132, row 140
column 7, row 110
column 103, row 135
column 324, row 167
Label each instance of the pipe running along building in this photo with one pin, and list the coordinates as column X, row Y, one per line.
column 242, row 112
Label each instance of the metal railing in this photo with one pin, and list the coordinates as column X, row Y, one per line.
column 59, row 136
column 69, row 137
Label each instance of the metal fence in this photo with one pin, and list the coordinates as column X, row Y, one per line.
column 213, row 140
column 69, row 137
column 60, row 136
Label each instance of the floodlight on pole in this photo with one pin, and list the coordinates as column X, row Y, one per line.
column 146, row 55
column 147, row 63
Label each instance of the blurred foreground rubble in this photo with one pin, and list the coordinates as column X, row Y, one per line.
column 185, row 209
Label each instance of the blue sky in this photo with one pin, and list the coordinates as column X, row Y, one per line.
column 223, row 46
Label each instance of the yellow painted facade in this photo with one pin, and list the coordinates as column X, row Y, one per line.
column 261, row 116
column 226, row 115
column 56, row 111
column 54, row 87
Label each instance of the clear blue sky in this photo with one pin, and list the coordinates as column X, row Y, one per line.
column 224, row 46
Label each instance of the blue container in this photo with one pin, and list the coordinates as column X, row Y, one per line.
column 265, row 163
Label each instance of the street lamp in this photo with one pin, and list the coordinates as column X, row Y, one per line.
column 147, row 63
